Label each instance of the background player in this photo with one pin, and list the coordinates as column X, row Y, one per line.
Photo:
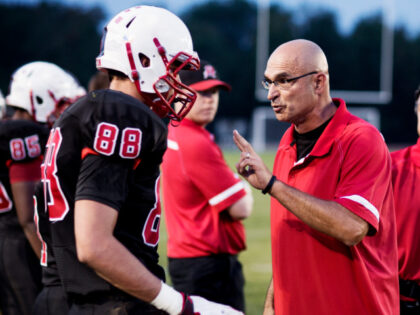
column 406, row 183
column 101, row 171
column 98, row 81
column 37, row 92
column 2, row 106
column 204, row 201
column 40, row 91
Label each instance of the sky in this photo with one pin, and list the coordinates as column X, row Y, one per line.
column 401, row 12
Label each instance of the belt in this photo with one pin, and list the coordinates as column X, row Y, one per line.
column 410, row 288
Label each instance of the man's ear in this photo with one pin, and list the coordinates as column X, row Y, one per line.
column 320, row 81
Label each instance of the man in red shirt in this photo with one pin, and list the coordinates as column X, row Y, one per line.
column 406, row 178
column 204, row 201
column 333, row 230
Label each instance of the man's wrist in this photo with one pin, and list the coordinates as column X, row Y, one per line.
column 169, row 300
column 269, row 185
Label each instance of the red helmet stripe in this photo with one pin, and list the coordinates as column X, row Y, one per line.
column 161, row 51
column 31, row 96
column 134, row 72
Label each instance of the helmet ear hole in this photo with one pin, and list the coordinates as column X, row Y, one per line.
column 144, row 60
column 129, row 23
column 39, row 100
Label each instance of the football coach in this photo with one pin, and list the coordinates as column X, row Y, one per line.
column 333, row 231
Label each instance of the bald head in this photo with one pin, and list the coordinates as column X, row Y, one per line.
column 300, row 56
column 301, row 90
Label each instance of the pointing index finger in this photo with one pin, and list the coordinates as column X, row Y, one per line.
column 241, row 143
column 237, row 139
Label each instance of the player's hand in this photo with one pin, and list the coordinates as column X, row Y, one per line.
column 250, row 165
column 196, row 305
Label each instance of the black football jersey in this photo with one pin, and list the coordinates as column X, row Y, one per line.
column 50, row 276
column 106, row 147
column 20, row 141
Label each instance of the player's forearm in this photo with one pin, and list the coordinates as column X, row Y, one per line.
column 325, row 216
column 117, row 265
column 241, row 209
column 97, row 247
column 31, row 235
column 22, row 196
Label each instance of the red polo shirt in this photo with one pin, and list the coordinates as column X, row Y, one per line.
column 406, row 177
column 314, row 273
column 197, row 186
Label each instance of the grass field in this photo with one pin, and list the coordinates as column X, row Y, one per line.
column 256, row 260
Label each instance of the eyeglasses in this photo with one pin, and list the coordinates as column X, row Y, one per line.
column 283, row 83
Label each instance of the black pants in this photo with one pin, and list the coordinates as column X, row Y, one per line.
column 20, row 276
column 51, row 301
column 218, row 278
column 409, row 308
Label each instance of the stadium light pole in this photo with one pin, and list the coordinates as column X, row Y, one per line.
column 263, row 35
column 263, row 31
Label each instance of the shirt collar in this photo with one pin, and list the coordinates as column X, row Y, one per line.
column 334, row 128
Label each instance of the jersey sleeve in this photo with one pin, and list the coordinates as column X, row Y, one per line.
column 103, row 180
column 25, row 171
column 365, row 178
column 210, row 173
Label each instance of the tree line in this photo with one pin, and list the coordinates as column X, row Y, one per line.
column 224, row 32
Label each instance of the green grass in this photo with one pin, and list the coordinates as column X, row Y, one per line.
column 256, row 259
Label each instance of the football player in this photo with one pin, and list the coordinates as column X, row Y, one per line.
column 39, row 91
column 101, row 171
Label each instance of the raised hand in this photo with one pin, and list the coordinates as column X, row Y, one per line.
column 250, row 165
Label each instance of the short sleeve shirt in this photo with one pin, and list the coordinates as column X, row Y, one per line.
column 314, row 273
column 198, row 186
column 406, row 180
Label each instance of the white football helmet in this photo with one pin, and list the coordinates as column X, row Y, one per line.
column 2, row 106
column 163, row 40
column 44, row 90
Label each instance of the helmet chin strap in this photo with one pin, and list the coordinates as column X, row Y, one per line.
column 158, row 105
